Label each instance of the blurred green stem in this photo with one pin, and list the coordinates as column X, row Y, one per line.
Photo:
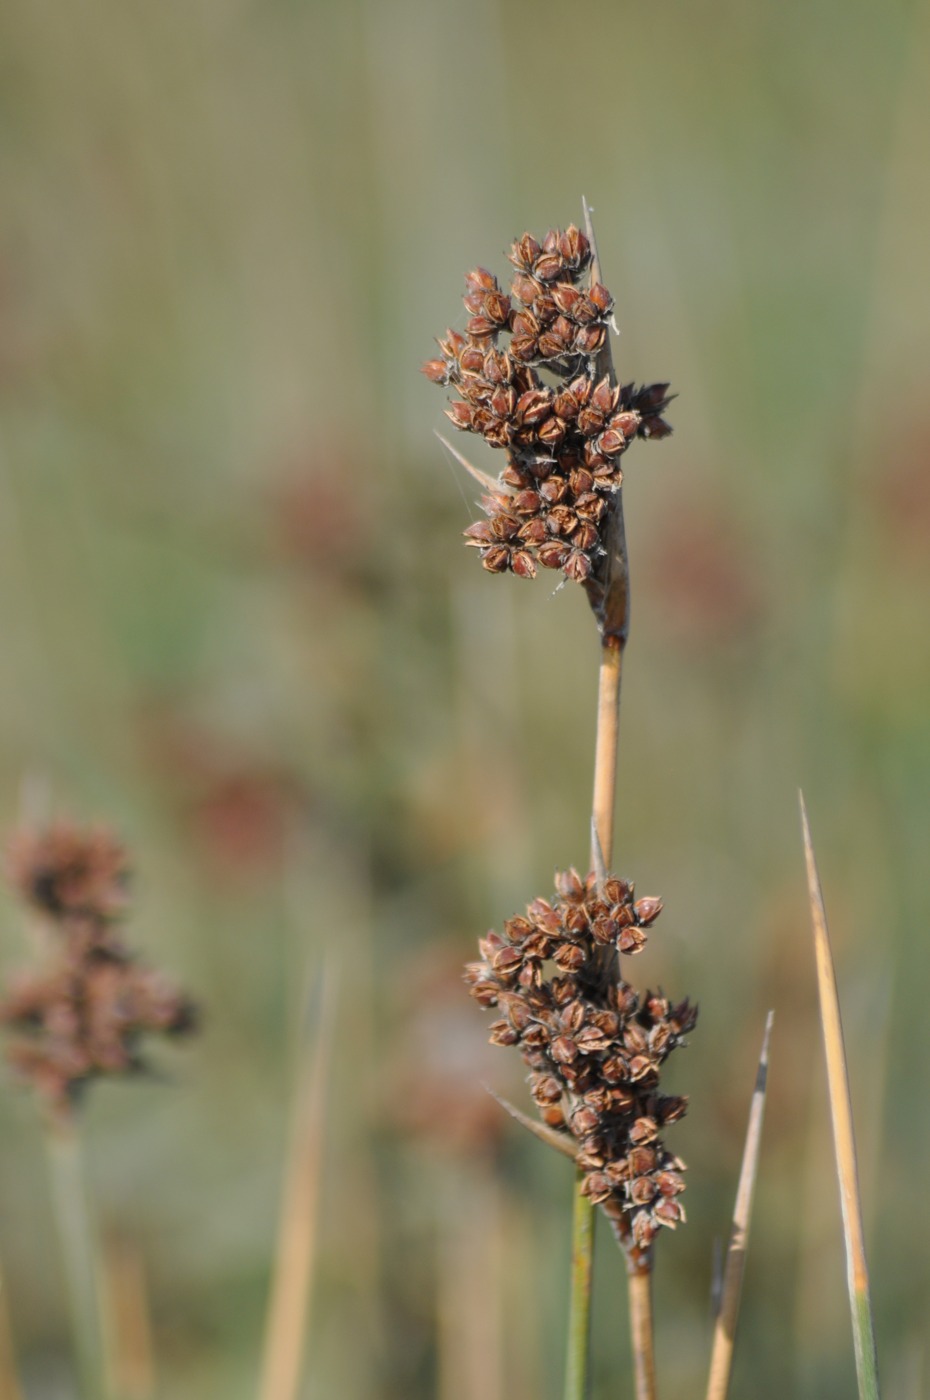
column 79, row 1259
column 579, row 1313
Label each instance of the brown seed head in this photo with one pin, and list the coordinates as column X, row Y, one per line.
column 87, row 1012
column 556, row 320
column 66, row 871
column 594, row 1046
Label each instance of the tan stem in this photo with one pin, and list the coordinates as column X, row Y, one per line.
column 294, row 1263
column 641, row 1330
column 609, row 595
column 605, row 749
column 602, row 839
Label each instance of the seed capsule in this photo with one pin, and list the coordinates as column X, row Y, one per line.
column 525, row 252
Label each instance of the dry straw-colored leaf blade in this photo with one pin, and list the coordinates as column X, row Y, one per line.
column 560, row 1141
column 132, row 1356
column 482, row 478
column 731, row 1288
column 292, row 1272
column 857, row 1272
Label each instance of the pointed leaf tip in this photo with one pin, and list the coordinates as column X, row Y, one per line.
column 843, row 1135
column 552, row 1138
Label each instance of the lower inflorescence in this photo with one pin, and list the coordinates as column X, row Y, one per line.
column 540, row 398
column 593, row 1045
column 85, row 1014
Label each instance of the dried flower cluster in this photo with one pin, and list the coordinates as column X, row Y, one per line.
column 564, row 438
column 594, row 1047
column 84, row 1014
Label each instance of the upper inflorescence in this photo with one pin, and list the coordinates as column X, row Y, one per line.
column 84, row 1014
column 563, row 424
column 593, row 1045
column 67, row 872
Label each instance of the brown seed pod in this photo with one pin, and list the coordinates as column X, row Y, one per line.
column 574, row 248
column 436, row 370
column 525, row 252
column 548, row 267
column 472, row 358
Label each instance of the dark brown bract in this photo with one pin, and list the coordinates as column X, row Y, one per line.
column 594, row 1046
column 540, row 398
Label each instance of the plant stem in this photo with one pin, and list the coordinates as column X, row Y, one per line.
column 79, row 1257
column 602, row 820
column 579, row 1313
column 640, row 1294
column 605, row 749
column 609, row 595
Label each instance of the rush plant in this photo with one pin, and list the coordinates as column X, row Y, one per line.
column 81, row 1016
column 532, row 374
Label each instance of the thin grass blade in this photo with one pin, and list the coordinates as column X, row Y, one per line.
column 843, row 1138
column 731, row 1287
column 292, row 1275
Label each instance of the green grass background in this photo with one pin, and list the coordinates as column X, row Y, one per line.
column 237, row 624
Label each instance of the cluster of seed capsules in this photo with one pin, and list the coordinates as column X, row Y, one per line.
column 565, row 433
column 84, row 1014
column 593, row 1045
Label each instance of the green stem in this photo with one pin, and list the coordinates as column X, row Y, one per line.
column 79, row 1258
column 579, row 1310
column 864, row 1340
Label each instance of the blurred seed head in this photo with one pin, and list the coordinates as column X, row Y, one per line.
column 86, row 1012
column 704, row 576
column 67, row 872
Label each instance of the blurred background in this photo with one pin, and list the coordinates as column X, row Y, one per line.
column 237, row 625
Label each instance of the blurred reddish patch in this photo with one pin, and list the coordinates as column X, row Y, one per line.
column 235, row 805
column 241, row 819
column 703, row 575
column 438, row 1080
column 787, row 984
column 19, row 351
column 901, row 495
column 319, row 517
